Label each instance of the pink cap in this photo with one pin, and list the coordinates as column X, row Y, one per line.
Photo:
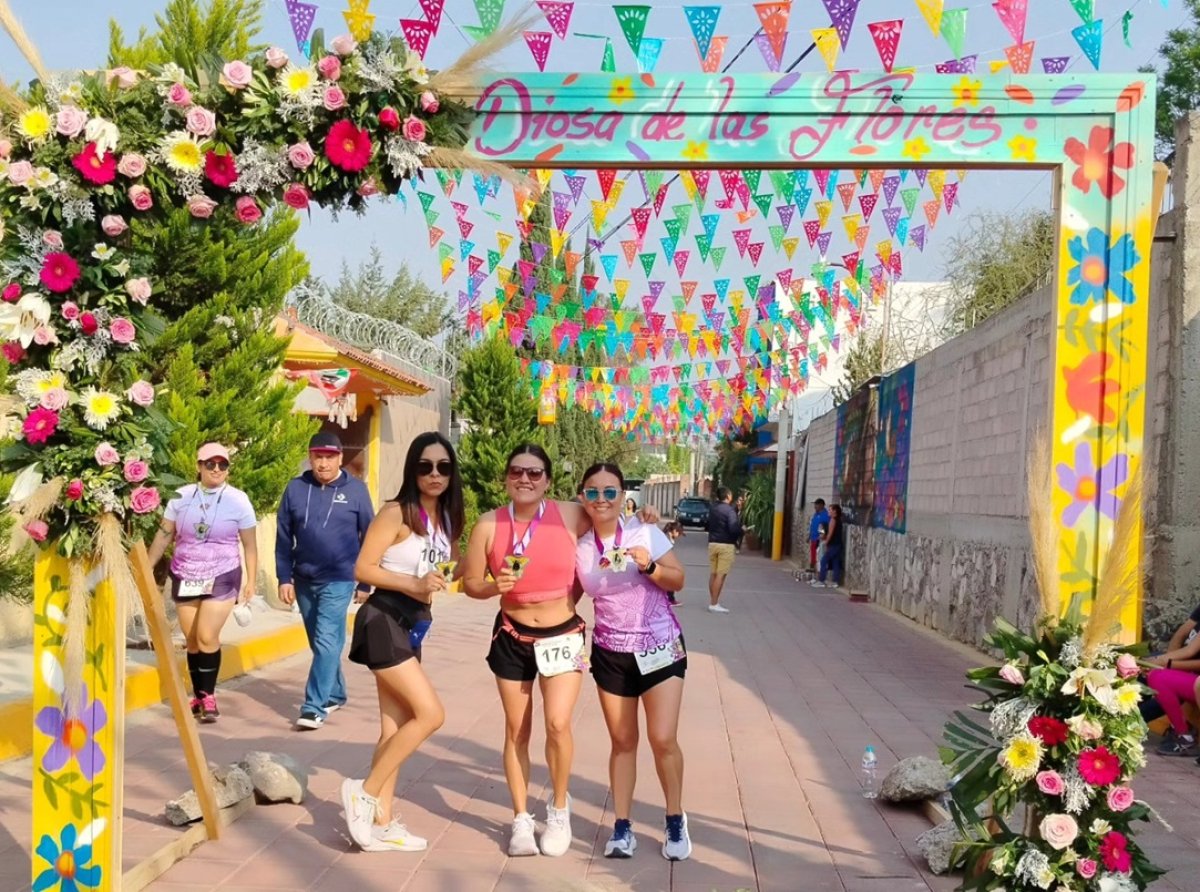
column 212, row 450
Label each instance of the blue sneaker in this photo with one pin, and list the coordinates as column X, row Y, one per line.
column 622, row 843
column 678, row 845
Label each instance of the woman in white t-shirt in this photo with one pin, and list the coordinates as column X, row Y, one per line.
column 207, row 522
column 638, row 653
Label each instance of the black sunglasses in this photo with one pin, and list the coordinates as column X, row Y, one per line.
column 425, row 467
column 534, row 474
column 610, row 494
column 216, row 464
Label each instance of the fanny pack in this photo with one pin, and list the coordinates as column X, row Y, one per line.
column 507, row 628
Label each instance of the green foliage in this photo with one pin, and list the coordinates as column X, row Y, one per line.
column 578, row 439
column 732, row 467
column 1179, row 78
column 863, row 362
column 403, row 299
column 996, row 260
column 759, row 510
column 188, row 30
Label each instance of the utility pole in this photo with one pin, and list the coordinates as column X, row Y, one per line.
column 784, row 442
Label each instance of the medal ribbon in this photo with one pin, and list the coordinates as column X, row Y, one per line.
column 519, row 546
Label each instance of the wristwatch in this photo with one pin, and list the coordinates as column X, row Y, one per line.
column 650, row 568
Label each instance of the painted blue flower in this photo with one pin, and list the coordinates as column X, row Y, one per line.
column 1100, row 269
column 69, row 869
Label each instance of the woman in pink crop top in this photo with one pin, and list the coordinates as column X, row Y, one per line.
column 525, row 553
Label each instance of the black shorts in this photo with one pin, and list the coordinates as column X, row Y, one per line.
column 618, row 674
column 383, row 630
column 514, row 660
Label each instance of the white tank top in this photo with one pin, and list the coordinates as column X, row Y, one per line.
column 409, row 557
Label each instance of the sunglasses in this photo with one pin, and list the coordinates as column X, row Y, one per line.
column 534, row 474
column 425, row 467
column 609, row 494
column 215, row 464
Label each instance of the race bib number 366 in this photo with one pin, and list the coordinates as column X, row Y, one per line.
column 559, row 655
column 659, row 657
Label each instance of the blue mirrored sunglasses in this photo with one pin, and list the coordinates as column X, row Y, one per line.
column 609, row 493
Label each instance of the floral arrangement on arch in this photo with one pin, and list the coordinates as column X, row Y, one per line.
column 84, row 159
column 1063, row 737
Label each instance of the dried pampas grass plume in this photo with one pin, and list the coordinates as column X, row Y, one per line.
column 461, row 80
column 1121, row 573
column 16, row 31
column 461, row 159
column 10, row 101
column 32, row 508
column 110, row 550
column 1043, row 531
column 79, row 609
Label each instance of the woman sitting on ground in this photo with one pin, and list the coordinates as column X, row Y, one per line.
column 1177, row 681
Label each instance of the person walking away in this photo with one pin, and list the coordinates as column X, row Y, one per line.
column 322, row 518
column 638, row 654
column 206, row 523
column 724, row 531
column 833, row 561
column 409, row 555
column 816, row 531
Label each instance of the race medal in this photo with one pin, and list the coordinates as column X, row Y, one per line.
column 446, row 568
column 516, row 563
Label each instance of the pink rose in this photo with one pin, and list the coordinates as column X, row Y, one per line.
column 330, row 68
column 12, row 292
column 1086, row 868
column 1051, row 783
column 333, row 98
column 1120, row 798
column 55, row 399
column 69, row 121
column 1059, row 831
column 1127, row 666
column 70, row 311
column 301, row 155
column 136, row 470
column 389, row 119
column 53, row 239
column 144, row 499
column 237, row 74
column 276, row 58
column 414, row 129
column 44, row 335
column 344, row 44
column 1012, row 674
column 107, row 455
column 113, row 225
column 131, row 165
column 201, row 206
column 141, row 198
column 179, row 95
column 122, row 330
column 20, row 173
column 246, row 210
column 429, row 102
column 200, row 121
column 88, row 323
column 139, row 289
column 368, row 188
column 38, row 530
column 5, row 148
column 296, row 196
column 125, row 78
column 75, row 490
column 141, row 393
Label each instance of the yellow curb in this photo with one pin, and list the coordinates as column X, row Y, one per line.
column 142, row 687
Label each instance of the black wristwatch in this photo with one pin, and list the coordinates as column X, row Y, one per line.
column 650, row 568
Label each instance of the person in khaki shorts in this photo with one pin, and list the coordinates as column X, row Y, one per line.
column 724, row 530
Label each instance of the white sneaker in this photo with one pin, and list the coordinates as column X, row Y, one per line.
column 394, row 837
column 678, row 845
column 556, row 838
column 360, row 812
column 522, row 841
column 622, row 843
column 717, row 608
column 310, row 720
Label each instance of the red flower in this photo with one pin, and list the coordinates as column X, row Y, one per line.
column 347, row 147
column 1089, row 388
column 389, row 119
column 1099, row 767
column 13, row 352
column 40, row 425
column 1114, row 854
column 1097, row 161
column 1049, row 730
column 99, row 170
column 89, row 324
column 220, row 169
column 59, row 272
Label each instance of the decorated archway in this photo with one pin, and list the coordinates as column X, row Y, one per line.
column 79, row 168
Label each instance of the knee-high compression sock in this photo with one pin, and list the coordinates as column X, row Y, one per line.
column 207, row 669
column 193, row 664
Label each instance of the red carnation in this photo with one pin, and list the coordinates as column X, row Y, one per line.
column 1049, row 730
column 1114, row 854
column 220, row 169
column 60, row 272
column 13, row 352
column 97, row 169
column 89, row 324
column 347, row 147
column 389, row 119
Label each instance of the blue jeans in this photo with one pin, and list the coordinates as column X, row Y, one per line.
column 324, row 608
column 832, row 561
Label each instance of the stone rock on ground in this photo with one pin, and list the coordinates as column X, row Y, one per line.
column 230, row 785
column 937, row 844
column 914, row 779
column 276, row 777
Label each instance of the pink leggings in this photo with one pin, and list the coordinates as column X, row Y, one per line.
column 1172, row 688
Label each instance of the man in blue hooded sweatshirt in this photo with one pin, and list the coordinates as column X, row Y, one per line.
column 322, row 519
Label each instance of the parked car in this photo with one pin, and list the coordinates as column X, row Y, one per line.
column 692, row 513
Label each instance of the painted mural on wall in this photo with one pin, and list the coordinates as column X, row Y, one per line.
column 854, row 458
column 893, row 438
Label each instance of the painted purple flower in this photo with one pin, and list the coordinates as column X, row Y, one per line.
column 68, row 859
column 1089, row 487
column 74, row 737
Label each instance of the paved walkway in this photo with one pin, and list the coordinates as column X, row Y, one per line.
column 782, row 695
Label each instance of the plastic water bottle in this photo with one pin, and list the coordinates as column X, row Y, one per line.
column 869, row 781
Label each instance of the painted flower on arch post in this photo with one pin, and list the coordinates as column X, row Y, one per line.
column 1099, row 160
column 74, row 736
column 68, row 858
column 1100, row 268
column 1092, row 487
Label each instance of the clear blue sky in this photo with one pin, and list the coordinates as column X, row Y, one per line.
column 73, row 33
